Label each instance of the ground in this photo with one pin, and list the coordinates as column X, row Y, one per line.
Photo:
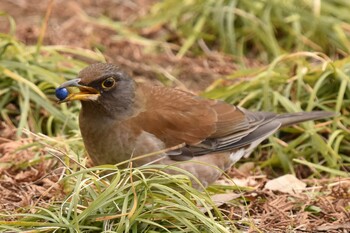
column 320, row 207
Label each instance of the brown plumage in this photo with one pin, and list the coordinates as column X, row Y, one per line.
column 121, row 118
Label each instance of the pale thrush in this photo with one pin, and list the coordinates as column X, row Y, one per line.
column 121, row 118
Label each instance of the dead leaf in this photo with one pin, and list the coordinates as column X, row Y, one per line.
column 286, row 184
column 249, row 181
column 222, row 198
column 246, row 168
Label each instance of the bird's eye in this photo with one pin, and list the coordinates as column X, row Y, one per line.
column 108, row 83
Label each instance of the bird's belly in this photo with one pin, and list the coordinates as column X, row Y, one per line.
column 120, row 144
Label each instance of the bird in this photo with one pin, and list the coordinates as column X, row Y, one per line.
column 121, row 119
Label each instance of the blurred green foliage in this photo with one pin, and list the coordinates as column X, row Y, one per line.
column 261, row 29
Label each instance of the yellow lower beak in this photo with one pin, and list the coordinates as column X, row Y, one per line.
column 81, row 96
column 86, row 93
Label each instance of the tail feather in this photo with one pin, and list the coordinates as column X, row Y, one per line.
column 251, row 137
column 294, row 118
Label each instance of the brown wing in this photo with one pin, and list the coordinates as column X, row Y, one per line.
column 206, row 126
column 230, row 119
column 175, row 116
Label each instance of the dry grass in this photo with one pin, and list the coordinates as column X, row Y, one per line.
column 28, row 176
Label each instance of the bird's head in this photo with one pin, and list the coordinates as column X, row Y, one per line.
column 103, row 87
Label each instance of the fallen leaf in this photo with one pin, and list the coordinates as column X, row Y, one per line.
column 286, row 184
column 246, row 168
column 221, row 198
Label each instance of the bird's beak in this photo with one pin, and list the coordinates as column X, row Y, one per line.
column 86, row 93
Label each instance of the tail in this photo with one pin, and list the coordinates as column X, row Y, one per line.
column 294, row 118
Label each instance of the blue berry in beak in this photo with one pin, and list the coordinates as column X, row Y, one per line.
column 62, row 93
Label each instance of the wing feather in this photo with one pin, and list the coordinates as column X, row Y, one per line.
column 206, row 126
column 175, row 116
